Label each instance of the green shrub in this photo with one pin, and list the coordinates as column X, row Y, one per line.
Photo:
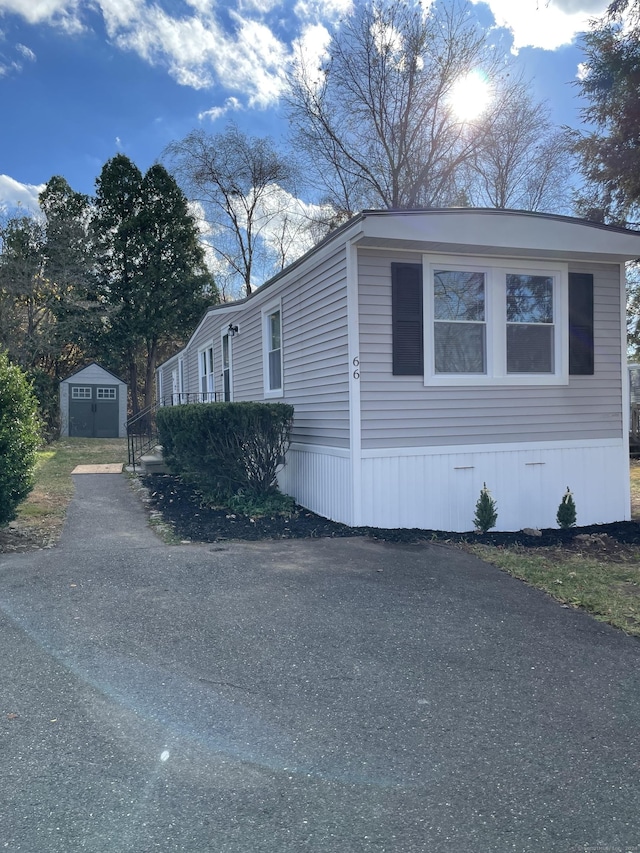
column 19, row 438
column 566, row 515
column 260, row 507
column 486, row 511
column 226, row 449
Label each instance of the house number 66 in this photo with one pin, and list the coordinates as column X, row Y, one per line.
column 356, row 364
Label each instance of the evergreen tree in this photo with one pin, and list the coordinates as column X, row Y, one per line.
column 116, row 206
column 150, row 266
column 68, row 267
column 566, row 515
column 610, row 154
column 24, row 318
column 486, row 511
column 174, row 286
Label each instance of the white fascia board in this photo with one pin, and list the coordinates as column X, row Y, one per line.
column 500, row 233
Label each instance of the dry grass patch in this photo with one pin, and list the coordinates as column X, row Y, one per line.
column 605, row 582
column 41, row 516
column 635, row 489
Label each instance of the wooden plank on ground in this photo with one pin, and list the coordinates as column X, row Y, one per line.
column 105, row 468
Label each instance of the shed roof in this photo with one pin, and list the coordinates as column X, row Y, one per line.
column 94, row 364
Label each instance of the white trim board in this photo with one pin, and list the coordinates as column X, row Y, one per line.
column 497, row 447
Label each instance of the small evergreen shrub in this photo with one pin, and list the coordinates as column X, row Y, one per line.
column 566, row 515
column 19, row 438
column 486, row 511
column 227, row 449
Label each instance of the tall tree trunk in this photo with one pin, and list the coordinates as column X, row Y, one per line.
column 152, row 354
column 133, row 384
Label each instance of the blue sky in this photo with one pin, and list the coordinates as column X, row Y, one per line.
column 81, row 80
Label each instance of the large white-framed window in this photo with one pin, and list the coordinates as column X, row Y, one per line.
column 495, row 321
column 272, row 349
column 206, row 376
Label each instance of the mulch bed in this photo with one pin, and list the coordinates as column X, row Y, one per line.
column 191, row 519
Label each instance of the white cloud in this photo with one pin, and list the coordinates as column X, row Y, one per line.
column 26, row 52
column 583, row 71
column 7, row 68
column 535, row 23
column 310, row 49
column 322, row 10
column 285, row 222
column 62, row 13
column 203, row 7
column 230, row 105
column 198, row 51
column 262, row 7
column 200, row 47
column 15, row 196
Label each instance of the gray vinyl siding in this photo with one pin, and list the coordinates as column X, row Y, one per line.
column 399, row 411
column 316, row 354
column 314, row 347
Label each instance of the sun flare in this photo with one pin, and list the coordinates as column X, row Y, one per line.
column 470, row 96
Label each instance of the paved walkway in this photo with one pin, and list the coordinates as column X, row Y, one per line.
column 334, row 696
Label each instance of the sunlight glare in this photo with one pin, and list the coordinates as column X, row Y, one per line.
column 470, row 96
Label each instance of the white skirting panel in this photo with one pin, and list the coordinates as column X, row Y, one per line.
column 439, row 490
column 319, row 478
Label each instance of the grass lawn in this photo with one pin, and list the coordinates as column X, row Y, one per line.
column 45, row 508
column 606, row 584
column 601, row 577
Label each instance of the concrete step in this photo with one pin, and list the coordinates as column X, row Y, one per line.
column 153, row 462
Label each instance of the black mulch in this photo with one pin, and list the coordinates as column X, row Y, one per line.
column 191, row 519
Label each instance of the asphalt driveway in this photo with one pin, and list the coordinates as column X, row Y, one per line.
column 325, row 695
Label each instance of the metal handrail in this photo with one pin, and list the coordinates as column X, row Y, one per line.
column 142, row 432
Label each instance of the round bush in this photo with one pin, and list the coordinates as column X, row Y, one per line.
column 19, row 438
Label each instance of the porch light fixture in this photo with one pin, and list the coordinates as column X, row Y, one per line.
column 232, row 331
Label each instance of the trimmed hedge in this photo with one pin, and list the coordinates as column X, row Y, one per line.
column 226, row 449
column 19, row 438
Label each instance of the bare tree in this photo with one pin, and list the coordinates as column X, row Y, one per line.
column 238, row 181
column 376, row 118
column 524, row 161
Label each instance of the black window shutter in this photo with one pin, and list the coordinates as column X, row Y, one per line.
column 581, row 324
column 406, row 311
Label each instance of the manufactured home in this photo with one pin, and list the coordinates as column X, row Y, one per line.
column 429, row 352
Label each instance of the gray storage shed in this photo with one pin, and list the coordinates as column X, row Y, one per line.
column 93, row 404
